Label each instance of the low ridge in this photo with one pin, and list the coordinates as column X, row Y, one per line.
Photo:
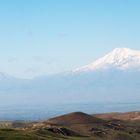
column 133, row 116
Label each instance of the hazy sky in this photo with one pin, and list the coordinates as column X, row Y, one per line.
column 40, row 37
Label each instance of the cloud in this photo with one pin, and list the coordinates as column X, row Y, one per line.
column 63, row 34
column 13, row 59
column 32, row 70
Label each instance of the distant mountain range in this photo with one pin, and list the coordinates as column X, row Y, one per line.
column 114, row 77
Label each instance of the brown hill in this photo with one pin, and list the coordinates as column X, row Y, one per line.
column 80, row 124
column 74, row 118
column 120, row 116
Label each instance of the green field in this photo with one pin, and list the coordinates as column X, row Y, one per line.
column 11, row 134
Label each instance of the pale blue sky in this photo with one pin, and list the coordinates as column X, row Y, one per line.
column 40, row 37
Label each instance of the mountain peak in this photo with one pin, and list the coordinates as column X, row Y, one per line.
column 119, row 58
column 122, row 50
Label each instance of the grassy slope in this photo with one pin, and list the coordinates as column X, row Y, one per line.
column 11, row 134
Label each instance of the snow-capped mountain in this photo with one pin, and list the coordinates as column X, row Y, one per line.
column 119, row 58
column 114, row 77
